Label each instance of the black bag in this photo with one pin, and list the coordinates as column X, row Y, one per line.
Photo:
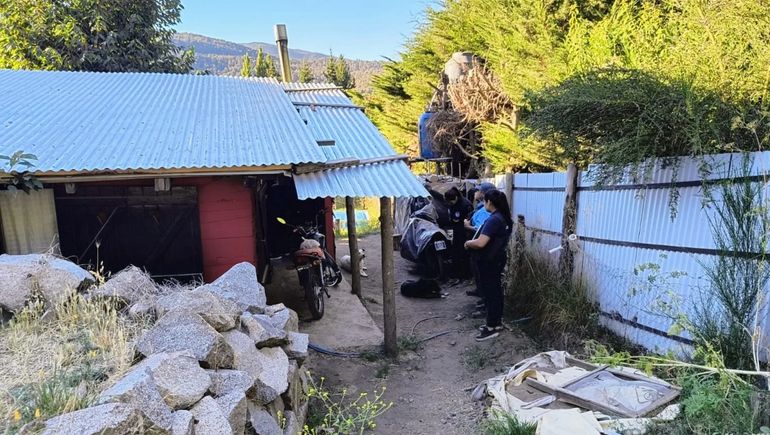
column 422, row 288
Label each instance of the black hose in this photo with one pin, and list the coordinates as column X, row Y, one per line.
column 440, row 334
column 424, row 320
column 329, row 352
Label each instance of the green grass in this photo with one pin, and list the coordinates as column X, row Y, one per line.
column 507, row 424
column 408, row 343
column 382, row 371
column 477, row 357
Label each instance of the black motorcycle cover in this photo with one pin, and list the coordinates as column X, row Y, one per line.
column 419, row 233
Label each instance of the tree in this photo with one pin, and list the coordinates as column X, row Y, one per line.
column 552, row 59
column 92, row 35
column 338, row 72
column 270, row 69
column 330, row 73
column 246, row 70
column 342, row 71
column 260, row 66
column 305, row 74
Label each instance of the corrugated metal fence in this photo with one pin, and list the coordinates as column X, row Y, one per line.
column 632, row 254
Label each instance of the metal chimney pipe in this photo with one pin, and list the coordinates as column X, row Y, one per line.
column 282, row 41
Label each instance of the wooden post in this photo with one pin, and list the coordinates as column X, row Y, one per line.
column 355, row 259
column 568, row 223
column 388, row 283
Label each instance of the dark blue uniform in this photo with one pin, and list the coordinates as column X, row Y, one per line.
column 491, row 262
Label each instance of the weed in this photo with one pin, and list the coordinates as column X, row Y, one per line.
column 729, row 317
column 49, row 367
column 371, row 300
column 372, row 355
column 409, row 343
column 507, row 424
column 382, row 371
column 714, row 399
column 561, row 311
column 477, row 357
column 342, row 413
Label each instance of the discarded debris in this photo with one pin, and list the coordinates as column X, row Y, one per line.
column 557, row 391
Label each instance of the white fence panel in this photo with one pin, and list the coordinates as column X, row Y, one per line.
column 632, row 254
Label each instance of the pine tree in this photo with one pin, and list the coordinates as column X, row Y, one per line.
column 305, row 74
column 260, row 66
column 342, row 72
column 246, row 66
column 330, row 74
column 270, row 69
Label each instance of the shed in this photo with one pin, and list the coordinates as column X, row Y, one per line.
column 175, row 173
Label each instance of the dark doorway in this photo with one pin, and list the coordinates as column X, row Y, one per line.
column 115, row 227
column 282, row 202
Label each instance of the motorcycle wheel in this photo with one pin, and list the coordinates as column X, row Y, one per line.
column 314, row 293
column 332, row 271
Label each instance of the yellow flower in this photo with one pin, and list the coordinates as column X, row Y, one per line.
column 37, row 412
column 16, row 415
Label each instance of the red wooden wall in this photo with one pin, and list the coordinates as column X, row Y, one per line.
column 226, row 209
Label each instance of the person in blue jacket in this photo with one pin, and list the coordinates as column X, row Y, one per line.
column 472, row 225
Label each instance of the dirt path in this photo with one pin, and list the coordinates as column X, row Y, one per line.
column 428, row 387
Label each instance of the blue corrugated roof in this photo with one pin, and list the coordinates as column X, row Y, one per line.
column 333, row 116
column 86, row 122
column 83, row 122
column 378, row 180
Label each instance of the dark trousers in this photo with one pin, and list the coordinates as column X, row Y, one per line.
column 460, row 261
column 491, row 277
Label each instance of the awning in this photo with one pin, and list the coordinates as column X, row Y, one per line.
column 374, row 180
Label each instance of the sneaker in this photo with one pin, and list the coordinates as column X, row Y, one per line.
column 496, row 328
column 488, row 333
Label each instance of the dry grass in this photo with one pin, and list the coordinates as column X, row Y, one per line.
column 55, row 364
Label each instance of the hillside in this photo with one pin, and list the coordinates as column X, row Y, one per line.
column 224, row 58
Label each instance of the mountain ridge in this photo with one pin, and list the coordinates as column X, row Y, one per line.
column 222, row 57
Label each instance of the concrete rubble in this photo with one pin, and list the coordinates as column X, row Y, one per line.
column 218, row 360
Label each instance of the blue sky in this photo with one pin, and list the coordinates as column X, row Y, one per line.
column 356, row 29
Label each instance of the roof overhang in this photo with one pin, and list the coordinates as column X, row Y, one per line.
column 386, row 179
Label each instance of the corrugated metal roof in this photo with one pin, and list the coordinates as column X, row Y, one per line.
column 353, row 133
column 379, row 179
column 355, row 136
column 79, row 121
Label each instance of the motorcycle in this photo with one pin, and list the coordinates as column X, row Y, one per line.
column 315, row 267
column 424, row 243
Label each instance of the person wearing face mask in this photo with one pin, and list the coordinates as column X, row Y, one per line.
column 459, row 211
